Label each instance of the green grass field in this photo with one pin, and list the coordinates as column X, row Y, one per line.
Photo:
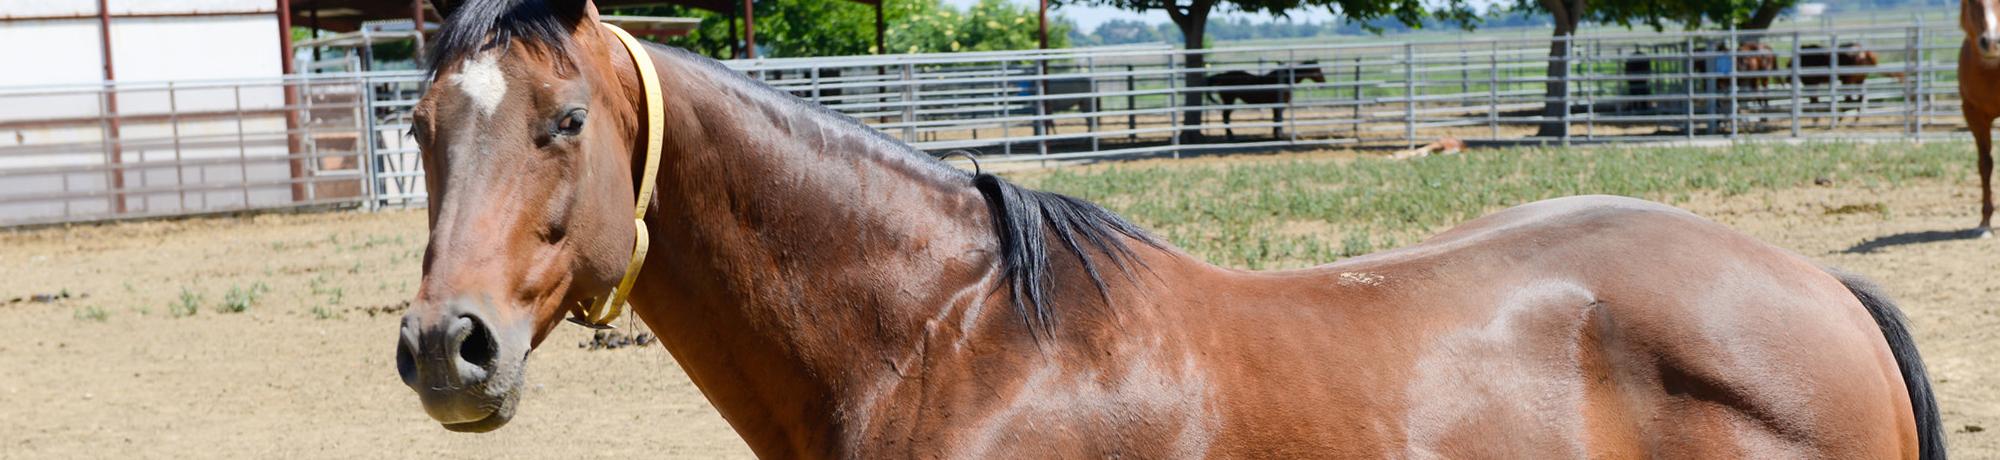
column 1280, row 213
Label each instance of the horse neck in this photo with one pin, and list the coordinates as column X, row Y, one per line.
column 800, row 254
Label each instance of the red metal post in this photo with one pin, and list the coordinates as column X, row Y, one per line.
column 749, row 30
column 417, row 20
column 114, row 149
column 1045, row 24
column 293, row 145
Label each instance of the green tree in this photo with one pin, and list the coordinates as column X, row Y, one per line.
column 804, row 28
column 1191, row 16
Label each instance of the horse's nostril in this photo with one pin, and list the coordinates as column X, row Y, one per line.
column 479, row 347
column 406, row 358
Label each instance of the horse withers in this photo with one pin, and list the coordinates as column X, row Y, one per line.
column 835, row 293
column 1274, row 87
column 1979, row 88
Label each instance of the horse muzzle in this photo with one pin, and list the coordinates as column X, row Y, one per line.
column 1988, row 45
column 465, row 367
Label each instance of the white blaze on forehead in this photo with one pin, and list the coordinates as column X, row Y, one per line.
column 481, row 80
column 1992, row 21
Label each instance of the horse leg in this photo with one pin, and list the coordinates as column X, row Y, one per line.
column 1048, row 125
column 1227, row 133
column 1278, row 116
column 1982, row 134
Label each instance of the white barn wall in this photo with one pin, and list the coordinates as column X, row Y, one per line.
column 241, row 42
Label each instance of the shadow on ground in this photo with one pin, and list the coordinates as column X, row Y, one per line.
column 1909, row 238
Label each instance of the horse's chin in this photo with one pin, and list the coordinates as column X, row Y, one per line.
column 493, row 421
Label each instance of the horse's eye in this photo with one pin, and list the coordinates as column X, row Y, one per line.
column 571, row 123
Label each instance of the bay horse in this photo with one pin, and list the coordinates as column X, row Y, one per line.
column 1979, row 87
column 1285, row 75
column 1755, row 57
column 837, row 294
column 1851, row 55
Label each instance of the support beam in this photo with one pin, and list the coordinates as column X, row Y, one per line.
column 735, row 46
column 417, row 20
column 114, row 149
column 293, row 145
column 1044, row 21
column 881, row 29
column 314, row 17
column 749, row 30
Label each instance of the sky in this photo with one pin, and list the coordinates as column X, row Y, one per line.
column 1089, row 17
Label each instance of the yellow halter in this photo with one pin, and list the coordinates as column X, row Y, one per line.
column 602, row 310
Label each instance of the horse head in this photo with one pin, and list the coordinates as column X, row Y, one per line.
column 1981, row 21
column 528, row 136
column 1308, row 70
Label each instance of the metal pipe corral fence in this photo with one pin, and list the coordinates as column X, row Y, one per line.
column 193, row 147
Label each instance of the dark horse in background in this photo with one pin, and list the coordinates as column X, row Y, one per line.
column 1979, row 87
column 1274, row 87
column 1850, row 56
column 835, row 293
column 1054, row 87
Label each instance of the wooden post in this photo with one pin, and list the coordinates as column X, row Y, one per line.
column 881, row 30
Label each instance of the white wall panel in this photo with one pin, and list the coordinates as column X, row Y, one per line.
column 47, row 8
column 191, row 6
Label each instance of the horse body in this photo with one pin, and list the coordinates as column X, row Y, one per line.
column 837, row 294
column 1449, row 348
column 1755, row 57
column 1979, row 89
column 1306, row 71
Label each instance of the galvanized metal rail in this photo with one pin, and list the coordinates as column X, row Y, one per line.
column 189, row 147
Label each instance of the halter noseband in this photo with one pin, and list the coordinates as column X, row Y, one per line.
column 601, row 310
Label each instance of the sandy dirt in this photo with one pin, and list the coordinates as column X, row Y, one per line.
column 307, row 370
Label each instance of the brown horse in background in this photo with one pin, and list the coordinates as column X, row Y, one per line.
column 1284, row 75
column 1755, row 57
column 1979, row 87
column 837, row 294
column 1850, row 56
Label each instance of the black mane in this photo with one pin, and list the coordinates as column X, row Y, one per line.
column 479, row 25
column 1028, row 222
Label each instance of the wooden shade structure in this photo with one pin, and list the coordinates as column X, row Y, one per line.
column 348, row 15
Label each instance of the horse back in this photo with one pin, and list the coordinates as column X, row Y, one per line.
column 1611, row 325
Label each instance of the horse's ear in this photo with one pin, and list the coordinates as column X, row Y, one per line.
column 581, row 10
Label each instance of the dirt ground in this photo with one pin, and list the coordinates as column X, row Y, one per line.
column 306, row 371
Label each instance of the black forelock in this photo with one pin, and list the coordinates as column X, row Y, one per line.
column 479, row 25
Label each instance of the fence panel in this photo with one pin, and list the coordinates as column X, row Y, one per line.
column 174, row 148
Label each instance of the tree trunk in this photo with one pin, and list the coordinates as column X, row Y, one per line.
column 1196, row 79
column 1567, row 15
column 1761, row 20
column 1766, row 14
column 1194, row 25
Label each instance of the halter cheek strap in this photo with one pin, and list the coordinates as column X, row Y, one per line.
column 601, row 310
